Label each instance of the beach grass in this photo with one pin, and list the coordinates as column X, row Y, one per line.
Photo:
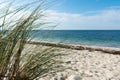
column 16, row 24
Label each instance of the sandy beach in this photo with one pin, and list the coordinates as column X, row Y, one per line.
column 89, row 62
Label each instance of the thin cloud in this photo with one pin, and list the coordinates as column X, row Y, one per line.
column 115, row 7
column 101, row 19
column 104, row 19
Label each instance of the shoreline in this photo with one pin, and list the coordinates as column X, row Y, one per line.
column 109, row 50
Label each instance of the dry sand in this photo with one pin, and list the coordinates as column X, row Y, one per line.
column 88, row 64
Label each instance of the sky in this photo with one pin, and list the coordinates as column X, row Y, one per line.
column 82, row 14
column 80, row 6
column 85, row 14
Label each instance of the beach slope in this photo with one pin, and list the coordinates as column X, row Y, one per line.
column 90, row 62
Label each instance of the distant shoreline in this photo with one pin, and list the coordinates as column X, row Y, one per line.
column 79, row 47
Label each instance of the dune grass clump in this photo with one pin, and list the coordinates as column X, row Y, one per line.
column 16, row 24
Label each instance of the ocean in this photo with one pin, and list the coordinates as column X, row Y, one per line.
column 105, row 38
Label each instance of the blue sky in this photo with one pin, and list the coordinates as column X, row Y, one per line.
column 83, row 14
column 80, row 6
column 86, row 14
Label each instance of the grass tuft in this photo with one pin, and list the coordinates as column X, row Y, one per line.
column 16, row 24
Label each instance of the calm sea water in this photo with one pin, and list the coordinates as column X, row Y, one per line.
column 107, row 38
